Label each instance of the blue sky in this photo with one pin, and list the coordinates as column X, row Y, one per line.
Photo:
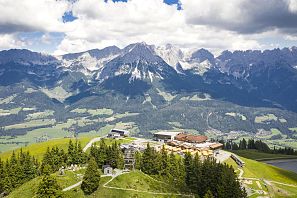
column 65, row 26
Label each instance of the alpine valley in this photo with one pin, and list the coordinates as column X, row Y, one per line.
column 145, row 88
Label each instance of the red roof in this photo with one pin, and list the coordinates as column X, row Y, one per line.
column 191, row 138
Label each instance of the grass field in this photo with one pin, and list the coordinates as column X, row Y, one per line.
column 233, row 114
column 31, row 123
column 293, row 129
column 262, row 171
column 167, row 96
column 39, row 115
column 260, row 156
column 139, row 181
column 280, row 191
column 274, row 132
column 58, row 92
column 136, row 180
column 57, row 131
column 94, row 112
column 265, row 118
column 29, row 189
column 38, row 149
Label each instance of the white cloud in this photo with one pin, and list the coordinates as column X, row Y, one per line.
column 243, row 16
column 8, row 41
column 100, row 24
column 32, row 15
column 293, row 5
column 213, row 24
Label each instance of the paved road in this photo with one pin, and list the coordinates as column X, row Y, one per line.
column 72, row 186
column 222, row 156
column 97, row 139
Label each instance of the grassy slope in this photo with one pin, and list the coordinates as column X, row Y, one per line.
column 39, row 149
column 134, row 180
column 256, row 155
column 255, row 169
column 261, row 170
column 137, row 180
column 30, row 188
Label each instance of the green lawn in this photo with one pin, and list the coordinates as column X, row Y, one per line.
column 256, row 155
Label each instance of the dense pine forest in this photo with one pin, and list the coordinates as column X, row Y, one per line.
column 259, row 146
column 188, row 173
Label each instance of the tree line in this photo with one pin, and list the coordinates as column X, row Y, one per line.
column 22, row 167
column 189, row 174
column 258, row 145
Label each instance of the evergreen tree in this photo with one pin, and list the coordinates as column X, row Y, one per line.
column 244, row 144
column 234, row 146
column 163, row 163
column 91, row 178
column 208, row 194
column 137, row 160
column 188, row 168
column 149, row 161
column 82, row 157
column 196, row 178
column 49, row 187
column 228, row 146
column 71, row 153
column 2, row 175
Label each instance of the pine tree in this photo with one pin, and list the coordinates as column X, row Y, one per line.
column 91, row 178
column 208, row 194
column 228, row 146
column 197, row 174
column 188, row 168
column 2, row 175
column 71, row 153
column 164, row 164
column 149, row 161
column 49, row 187
column 81, row 155
column 137, row 160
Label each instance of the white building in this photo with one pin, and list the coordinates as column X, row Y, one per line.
column 107, row 170
column 165, row 136
column 117, row 133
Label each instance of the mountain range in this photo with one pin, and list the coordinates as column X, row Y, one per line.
column 143, row 78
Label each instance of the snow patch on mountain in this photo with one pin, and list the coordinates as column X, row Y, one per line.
column 86, row 63
column 170, row 54
column 196, row 67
